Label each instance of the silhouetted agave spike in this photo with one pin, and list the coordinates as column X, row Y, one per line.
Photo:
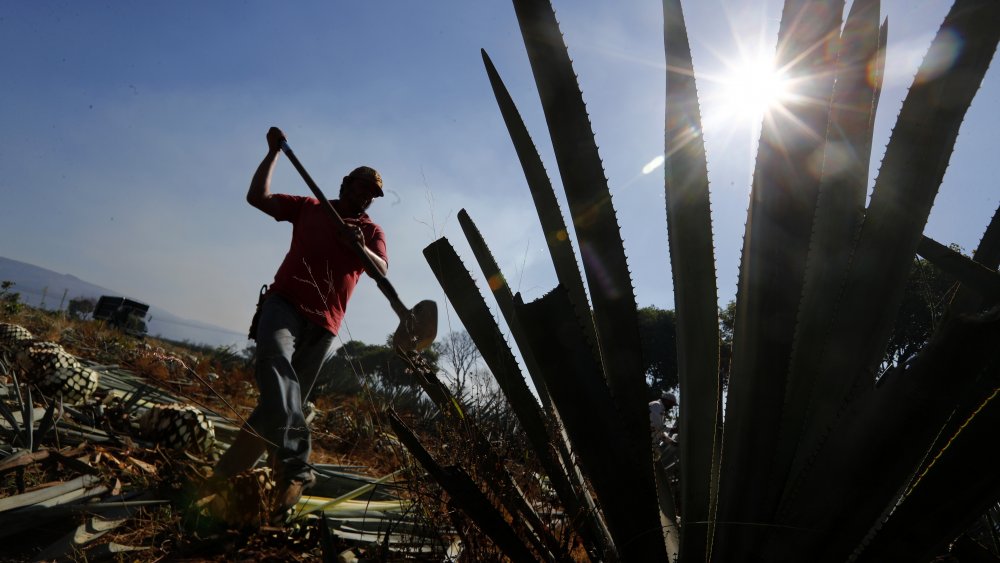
column 987, row 253
column 839, row 211
column 490, row 466
column 546, row 205
column 475, row 316
column 971, row 274
column 877, row 78
column 594, row 425
column 970, row 406
column 889, row 429
column 465, row 495
column 951, row 489
column 595, row 223
column 782, row 205
column 692, row 260
column 911, row 173
column 595, row 532
column 505, row 300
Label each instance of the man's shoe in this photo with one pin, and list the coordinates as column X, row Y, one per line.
column 288, row 496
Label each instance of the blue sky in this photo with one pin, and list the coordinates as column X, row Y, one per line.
column 132, row 129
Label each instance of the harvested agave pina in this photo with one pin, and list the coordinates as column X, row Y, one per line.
column 13, row 336
column 38, row 358
column 56, row 372
column 178, row 427
column 75, row 383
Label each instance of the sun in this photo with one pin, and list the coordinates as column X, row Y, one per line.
column 752, row 87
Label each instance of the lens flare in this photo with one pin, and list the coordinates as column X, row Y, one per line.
column 653, row 164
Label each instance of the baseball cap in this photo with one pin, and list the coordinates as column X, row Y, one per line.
column 368, row 174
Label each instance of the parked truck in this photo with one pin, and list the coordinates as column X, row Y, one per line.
column 122, row 313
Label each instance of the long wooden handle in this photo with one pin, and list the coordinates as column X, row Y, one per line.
column 380, row 280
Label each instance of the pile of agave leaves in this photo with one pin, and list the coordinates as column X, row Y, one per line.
column 117, row 471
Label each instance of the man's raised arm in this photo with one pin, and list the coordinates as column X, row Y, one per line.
column 259, row 194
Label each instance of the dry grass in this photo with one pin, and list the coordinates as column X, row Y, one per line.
column 348, row 430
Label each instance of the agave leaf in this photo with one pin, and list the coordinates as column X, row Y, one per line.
column 465, row 494
column 908, row 181
column 583, row 399
column 772, row 271
column 987, row 254
column 546, row 205
column 475, row 316
column 437, row 390
column 971, row 274
column 576, row 499
column 472, row 310
column 132, row 399
column 28, row 418
column 49, row 419
column 8, row 415
column 877, row 78
column 505, row 300
column 839, row 211
column 988, row 251
column 615, row 312
column 563, row 260
column 859, row 473
column 951, row 491
column 692, row 259
column 311, row 506
column 497, row 478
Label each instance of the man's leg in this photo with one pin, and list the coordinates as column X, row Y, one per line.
column 243, row 454
column 313, row 349
column 277, row 334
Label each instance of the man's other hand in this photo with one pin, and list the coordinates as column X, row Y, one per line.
column 274, row 139
column 351, row 233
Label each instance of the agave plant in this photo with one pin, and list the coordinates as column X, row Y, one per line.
column 814, row 460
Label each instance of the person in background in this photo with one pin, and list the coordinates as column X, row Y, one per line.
column 660, row 415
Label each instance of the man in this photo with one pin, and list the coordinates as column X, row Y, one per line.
column 660, row 413
column 664, row 445
column 300, row 316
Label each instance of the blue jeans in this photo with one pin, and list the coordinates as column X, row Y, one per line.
column 291, row 351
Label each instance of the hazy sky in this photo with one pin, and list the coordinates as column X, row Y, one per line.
column 131, row 131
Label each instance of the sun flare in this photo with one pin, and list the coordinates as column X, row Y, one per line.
column 753, row 87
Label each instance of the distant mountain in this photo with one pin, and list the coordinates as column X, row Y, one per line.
column 44, row 288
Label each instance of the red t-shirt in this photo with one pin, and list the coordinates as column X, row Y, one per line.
column 319, row 273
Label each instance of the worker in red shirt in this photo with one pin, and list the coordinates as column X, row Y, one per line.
column 299, row 317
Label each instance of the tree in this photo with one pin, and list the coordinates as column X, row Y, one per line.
column 10, row 301
column 727, row 324
column 659, row 347
column 357, row 361
column 925, row 299
column 80, row 307
column 461, row 363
